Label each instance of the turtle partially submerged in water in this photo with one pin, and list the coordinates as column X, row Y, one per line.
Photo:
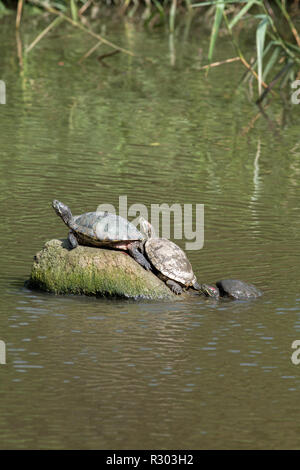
column 233, row 288
column 102, row 229
column 171, row 264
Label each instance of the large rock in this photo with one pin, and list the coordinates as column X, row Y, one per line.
column 93, row 271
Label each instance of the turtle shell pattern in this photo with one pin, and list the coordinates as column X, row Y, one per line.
column 170, row 260
column 237, row 289
column 104, row 228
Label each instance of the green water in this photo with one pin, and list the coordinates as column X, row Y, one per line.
column 103, row 374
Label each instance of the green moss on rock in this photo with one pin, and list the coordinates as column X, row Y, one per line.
column 93, row 271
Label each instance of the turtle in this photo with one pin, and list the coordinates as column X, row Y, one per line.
column 171, row 264
column 103, row 229
column 233, row 288
column 168, row 262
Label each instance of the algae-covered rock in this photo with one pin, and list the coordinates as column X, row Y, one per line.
column 93, row 271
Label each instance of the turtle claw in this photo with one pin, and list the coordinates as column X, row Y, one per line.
column 72, row 240
column 175, row 288
column 138, row 256
column 144, row 263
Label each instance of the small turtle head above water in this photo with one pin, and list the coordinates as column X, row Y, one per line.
column 210, row 291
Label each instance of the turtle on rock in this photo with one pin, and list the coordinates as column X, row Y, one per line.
column 168, row 261
column 233, row 288
column 102, row 229
column 171, row 264
column 106, row 230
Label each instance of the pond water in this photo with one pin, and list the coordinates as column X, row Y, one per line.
column 101, row 374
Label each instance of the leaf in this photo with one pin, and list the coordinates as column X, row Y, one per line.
column 271, row 62
column 74, row 11
column 215, row 29
column 172, row 16
column 241, row 13
column 214, row 2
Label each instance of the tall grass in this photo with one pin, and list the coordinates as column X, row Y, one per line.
column 274, row 48
column 277, row 50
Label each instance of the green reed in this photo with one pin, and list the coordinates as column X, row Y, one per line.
column 277, row 50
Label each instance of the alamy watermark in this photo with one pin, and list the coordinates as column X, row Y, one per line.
column 160, row 216
column 295, row 98
column 2, row 352
column 2, row 92
column 295, row 357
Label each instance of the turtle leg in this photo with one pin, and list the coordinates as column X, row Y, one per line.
column 174, row 286
column 72, row 240
column 138, row 256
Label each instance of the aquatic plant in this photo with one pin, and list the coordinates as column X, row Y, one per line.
column 276, row 37
column 273, row 25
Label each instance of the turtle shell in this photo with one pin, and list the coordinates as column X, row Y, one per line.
column 170, row 260
column 103, row 228
column 238, row 290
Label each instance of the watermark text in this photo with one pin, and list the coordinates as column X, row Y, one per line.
column 2, row 352
column 2, row 92
column 188, row 220
column 295, row 357
column 295, row 98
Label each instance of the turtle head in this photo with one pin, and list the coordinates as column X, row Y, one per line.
column 62, row 210
column 210, row 291
column 146, row 228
